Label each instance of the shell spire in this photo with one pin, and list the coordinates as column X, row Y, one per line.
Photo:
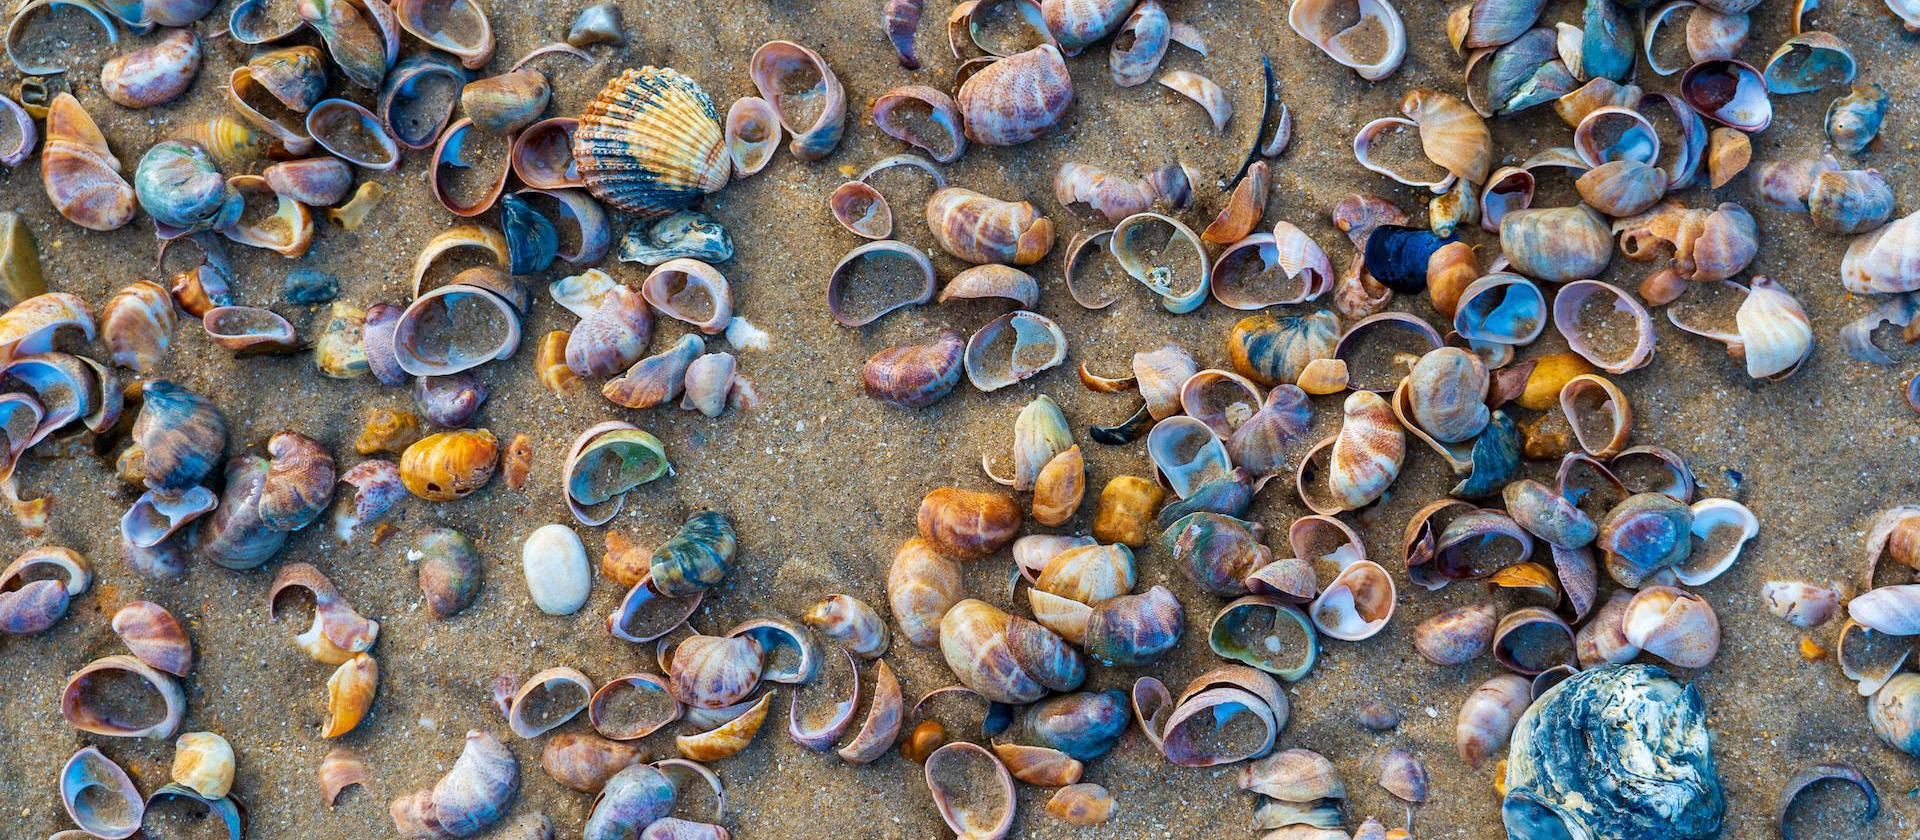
column 651, row 143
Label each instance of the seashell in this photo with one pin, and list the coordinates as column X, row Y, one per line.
column 1879, row 262
column 691, row 291
column 89, row 781
column 1655, row 716
column 547, row 700
column 1531, row 640
column 316, row 182
column 981, row 229
column 1294, row 776
column 20, row 277
column 337, row 632
column 882, row 725
column 958, row 774
column 1375, row 28
column 696, row 558
column 1357, row 604
column 1595, row 318
column 155, row 637
column 1400, row 166
column 532, row 240
column 1077, row 24
column 586, row 762
column 1481, row 24
column 1250, row 630
column 480, row 788
column 593, row 480
column 612, row 336
column 687, row 234
column 1455, row 636
column 449, row 401
column 181, row 435
column 1125, row 510
column 805, row 93
column 1274, row 351
column 1451, row 134
column 902, row 19
column 1729, row 92
column 637, row 796
column 1488, row 717
column 298, row 484
column 1622, row 187
column 1083, row 804
column 712, row 383
column 923, row 118
column 657, row 379
column 449, row 465
column 849, row 622
column 340, row 769
column 1803, row 605
column 1588, row 401
column 1013, row 348
column 1217, row 552
column 1805, row 779
column 1140, row 44
column 203, row 763
column 967, row 524
column 1447, row 390
column 860, row 269
column 1398, row 256
column 1809, row 61
column 922, row 586
column 1017, row 98
column 597, row 24
column 152, row 75
column 349, row 131
column 1643, row 534
column 1598, row 92
column 136, row 324
column 1094, row 192
column 1548, row 515
column 1850, row 202
column 1039, row 766
column 350, row 692
column 1291, row 580
column 377, row 487
column 416, row 99
column 1556, row 244
column 453, row 150
column 651, row 143
column 1728, row 154
column 1004, row 658
column 1853, row 120
column 450, row 571
column 80, row 173
column 1520, row 74
column 506, row 103
column 86, row 709
column 712, row 672
column 1784, row 185
column 1144, row 246
column 1404, row 776
column 860, row 208
column 1704, row 245
column 1367, row 453
column 1723, row 527
column 915, row 375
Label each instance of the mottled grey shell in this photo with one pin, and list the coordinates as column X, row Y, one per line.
column 1619, row 752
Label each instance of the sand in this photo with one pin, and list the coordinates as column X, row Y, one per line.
column 821, row 482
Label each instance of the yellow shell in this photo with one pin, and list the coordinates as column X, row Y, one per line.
column 233, row 144
column 651, row 143
column 446, row 466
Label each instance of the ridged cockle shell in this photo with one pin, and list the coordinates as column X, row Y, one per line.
column 651, row 143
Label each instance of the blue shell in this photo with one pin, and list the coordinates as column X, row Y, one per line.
column 308, row 287
column 1397, row 256
column 1230, row 496
column 688, row 233
column 1526, row 73
column 234, row 536
column 179, row 186
column 1620, row 752
column 532, row 240
column 1495, row 459
column 697, row 558
column 181, row 435
column 1084, row 724
column 1608, row 42
column 633, row 799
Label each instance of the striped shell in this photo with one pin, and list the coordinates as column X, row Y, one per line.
column 651, row 143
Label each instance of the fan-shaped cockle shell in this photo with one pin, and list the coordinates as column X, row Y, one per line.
column 651, row 143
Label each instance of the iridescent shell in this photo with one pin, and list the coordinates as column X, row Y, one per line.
column 155, row 74
column 1017, row 98
column 651, row 143
column 79, row 171
column 796, row 80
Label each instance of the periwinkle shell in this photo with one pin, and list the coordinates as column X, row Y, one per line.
column 1617, row 752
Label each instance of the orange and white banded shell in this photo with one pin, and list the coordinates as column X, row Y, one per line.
column 651, row 143
column 79, row 170
column 1017, row 98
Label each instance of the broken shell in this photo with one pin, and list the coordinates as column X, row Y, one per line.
column 416, row 100
column 1728, row 153
column 86, row 708
column 459, row 28
column 453, row 150
column 1451, row 134
column 1809, row 61
column 351, row 132
column 136, row 324
column 155, row 74
column 1139, row 45
column 1095, row 192
column 1803, row 605
column 1268, row 634
column 1531, row 640
column 89, row 782
column 924, row 118
column 632, row 706
column 861, row 268
column 1723, row 527
column 154, row 636
column 1145, row 246
column 1812, row 776
column 1017, row 98
column 882, row 725
column 860, row 208
column 1188, row 454
column 1598, row 410
column 1012, row 348
column 454, row 328
column 1556, row 244
column 1488, row 717
column 805, row 93
column 1414, row 172
column 968, row 524
column 1357, row 604
column 606, row 462
column 547, row 700
column 651, row 143
column 350, row 693
column 1372, row 26
column 961, row 775
column 657, row 379
column 1590, row 315
column 1206, row 94
column 80, row 173
column 1673, row 624
column 691, row 291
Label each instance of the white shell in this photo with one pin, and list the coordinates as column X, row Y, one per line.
column 1704, row 564
column 555, row 563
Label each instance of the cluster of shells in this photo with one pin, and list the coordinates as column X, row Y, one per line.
column 1584, row 573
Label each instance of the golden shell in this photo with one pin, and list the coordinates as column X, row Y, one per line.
column 651, row 143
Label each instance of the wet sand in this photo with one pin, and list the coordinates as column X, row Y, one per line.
column 821, row 482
